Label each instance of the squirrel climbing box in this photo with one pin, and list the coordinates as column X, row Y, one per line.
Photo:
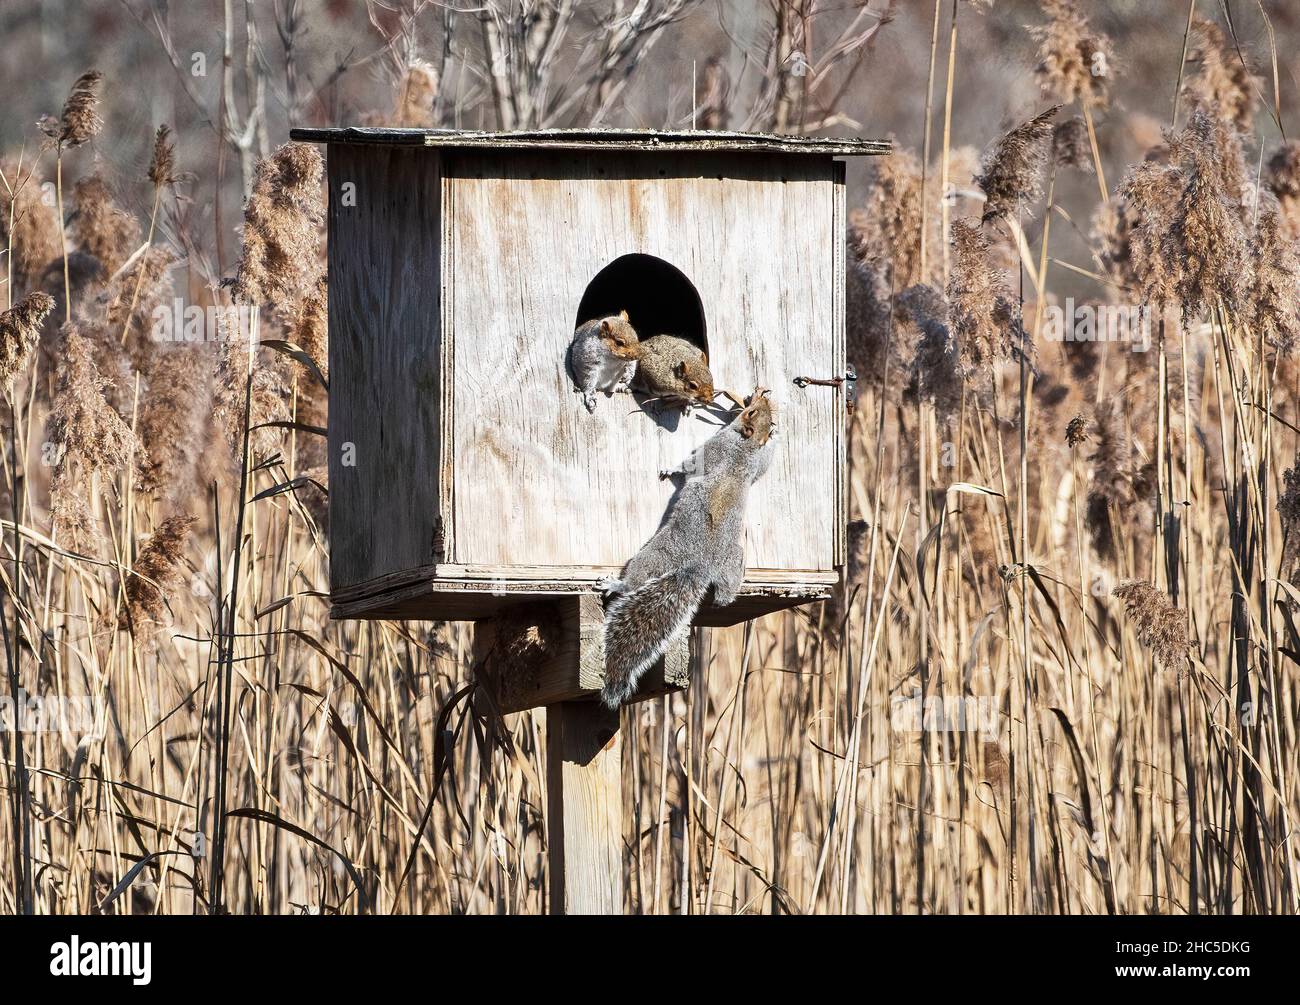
column 465, row 475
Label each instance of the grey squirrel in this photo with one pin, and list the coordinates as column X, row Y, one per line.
column 674, row 371
column 602, row 356
column 698, row 548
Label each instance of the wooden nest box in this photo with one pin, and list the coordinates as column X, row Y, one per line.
column 465, row 476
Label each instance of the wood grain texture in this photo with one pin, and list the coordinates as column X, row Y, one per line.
column 384, row 360
column 538, row 481
column 839, row 353
column 504, row 579
column 584, row 797
column 648, row 140
column 428, row 599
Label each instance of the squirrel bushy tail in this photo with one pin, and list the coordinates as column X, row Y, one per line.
column 640, row 625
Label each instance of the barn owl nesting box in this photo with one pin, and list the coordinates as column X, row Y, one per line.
column 465, row 474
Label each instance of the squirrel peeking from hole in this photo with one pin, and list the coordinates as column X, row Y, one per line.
column 606, row 355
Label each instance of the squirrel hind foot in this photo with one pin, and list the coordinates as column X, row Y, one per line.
column 610, row 587
column 723, row 597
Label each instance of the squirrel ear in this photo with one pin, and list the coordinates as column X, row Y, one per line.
column 704, row 358
column 680, row 369
column 604, row 327
column 622, row 315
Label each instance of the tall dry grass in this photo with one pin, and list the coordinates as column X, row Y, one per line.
column 1091, row 550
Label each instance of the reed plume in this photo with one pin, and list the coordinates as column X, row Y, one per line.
column 115, row 366
column 1123, row 483
column 1187, row 235
column 866, row 318
column 71, row 518
column 887, row 232
column 86, row 433
column 281, row 230
column 29, row 226
column 1161, row 626
column 309, row 330
column 1272, row 303
column 79, row 121
column 100, row 227
column 984, row 326
column 921, row 315
column 1283, row 179
column 279, row 265
column 154, row 576
column 1219, row 84
column 268, row 392
column 83, row 425
column 173, row 422
column 1070, row 144
column 1112, row 230
column 161, row 173
column 308, row 327
column 1011, row 172
column 134, row 298
column 162, row 165
column 85, row 284
column 20, row 330
column 1074, row 62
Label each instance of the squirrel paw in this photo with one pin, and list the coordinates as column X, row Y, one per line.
column 589, row 400
column 610, row 586
column 723, row 598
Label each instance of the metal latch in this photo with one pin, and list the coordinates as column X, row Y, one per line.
column 849, row 381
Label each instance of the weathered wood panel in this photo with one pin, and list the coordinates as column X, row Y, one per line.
column 437, row 593
column 651, row 140
column 384, row 360
column 538, row 481
column 839, row 354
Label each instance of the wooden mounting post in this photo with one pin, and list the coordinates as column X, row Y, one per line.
column 584, row 796
column 552, row 655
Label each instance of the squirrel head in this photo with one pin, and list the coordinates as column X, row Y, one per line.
column 696, row 379
column 756, row 421
column 619, row 336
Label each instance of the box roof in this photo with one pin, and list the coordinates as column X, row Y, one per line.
column 645, row 140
